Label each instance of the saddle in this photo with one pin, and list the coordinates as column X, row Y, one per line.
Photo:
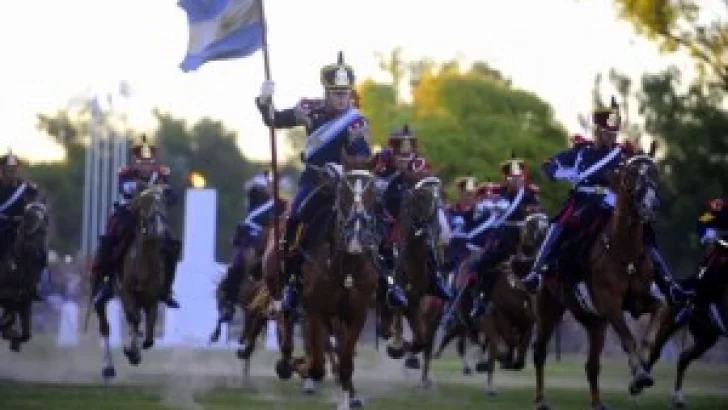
column 577, row 240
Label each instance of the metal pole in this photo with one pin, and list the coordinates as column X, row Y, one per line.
column 105, row 143
column 85, row 224
column 95, row 168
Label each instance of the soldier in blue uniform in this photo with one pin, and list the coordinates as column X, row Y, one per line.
column 587, row 166
column 517, row 199
column 145, row 171
column 15, row 195
column 394, row 162
column 249, row 234
column 712, row 228
column 332, row 125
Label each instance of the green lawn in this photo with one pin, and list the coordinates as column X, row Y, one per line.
column 53, row 379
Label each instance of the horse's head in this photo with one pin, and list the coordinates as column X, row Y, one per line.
column 422, row 201
column 151, row 212
column 637, row 180
column 533, row 233
column 355, row 202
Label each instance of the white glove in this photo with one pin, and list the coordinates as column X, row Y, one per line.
column 129, row 187
column 266, row 92
column 709, row 237
column 610, row 199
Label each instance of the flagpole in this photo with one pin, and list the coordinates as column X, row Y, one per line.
column 272, row 134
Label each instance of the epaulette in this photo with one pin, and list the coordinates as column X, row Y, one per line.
column 716, row 205
column 164, row 170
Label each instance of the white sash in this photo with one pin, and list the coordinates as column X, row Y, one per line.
column 250, row 220
column 485, row 225
column 516, row 202
column 18, row 191
column 328, row 131
column 598, row 165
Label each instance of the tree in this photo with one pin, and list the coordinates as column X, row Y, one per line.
column 683, row 25
column 469, row 121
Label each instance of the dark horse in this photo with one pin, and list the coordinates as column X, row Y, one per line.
column 20, row 268
column 617, row 277
column 419, row 253
column 141, row 281
column 251, row 299
column 708, row 323
column 510, row 319
column 339, row 276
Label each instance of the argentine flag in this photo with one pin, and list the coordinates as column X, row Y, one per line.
column 221, row 29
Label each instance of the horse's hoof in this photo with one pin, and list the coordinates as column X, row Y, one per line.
column 147, row 344
column 491, row 392
column 467, row 370
column 15, row 345
column 678, row 400
column 481, row 367
column 412, row 363
column 541, row 405
column 242, row 354
column 601, row 406
column 284, row 370
column 427, row 384
column 395, row 352
column 519, row 365
column 634, row 390
column 356, row 403
column 641, row 380
column 308, row 386
column 133, row 356
column 108, row 372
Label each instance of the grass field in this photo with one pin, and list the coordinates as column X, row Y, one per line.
column 53, row 379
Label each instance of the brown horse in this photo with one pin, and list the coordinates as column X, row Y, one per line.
column 20, row 268
column 254, row 318
column 708, row 323
column 618, row 279
column 510, row 319
column 339, row 277
column 251, row 299
column 142, row 278
column 419, row 254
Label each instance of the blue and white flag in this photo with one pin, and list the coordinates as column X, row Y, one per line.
column 221, row 29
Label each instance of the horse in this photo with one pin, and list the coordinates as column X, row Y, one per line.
column 339, row 275
column 618, row 278
column 254, row 318
column 419, row 253
column 511, row 317
column 142, row 277
column 251, row 298
column 20, row 268
column 706, row 325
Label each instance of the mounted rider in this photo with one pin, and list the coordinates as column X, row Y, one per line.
column 332, row 124
column 517, row 199
column 142, row 173
column 712, row 228
column 588, row 166
column 249, row 234
column 15, row 194
column 394, row 162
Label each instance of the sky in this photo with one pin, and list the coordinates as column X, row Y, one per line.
column 55, row 50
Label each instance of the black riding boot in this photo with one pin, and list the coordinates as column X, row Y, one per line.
column 172, row 249
column 292, row 267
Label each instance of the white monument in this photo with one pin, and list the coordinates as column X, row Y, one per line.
column 192, row 323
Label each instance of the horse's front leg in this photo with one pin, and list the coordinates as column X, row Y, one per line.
column 596, row 334
column 150, row 322
column 417, row 325
column 396, row 347
column 313, row 367
column 612, row 310
column 350, row 336
column 659, row 315
column 284, row 365
column 549, row 314
column 107, row 371
column 133, row 318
